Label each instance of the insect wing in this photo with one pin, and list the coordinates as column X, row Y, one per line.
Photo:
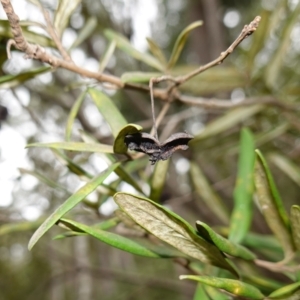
column 177, row 141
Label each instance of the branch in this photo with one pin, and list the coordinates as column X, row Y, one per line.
column 247, row 30
column 39, row 53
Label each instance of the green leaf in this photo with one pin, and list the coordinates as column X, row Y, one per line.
column 180, row 42
column 119, row 144
column 200, row 293
column 171, row 229
column 30, row 36
column 124, row 45
column 242, row 213
column 141, row 77
column 235, row 287
column 73, row 167
column 113, row 239
column 73, row 113
column 158, row 179
column 74, row 146
column 85, row 32
column 212, row 81
column 215, row 294
column 108, row 110
column 295, row 224
column 120, row 171
column 19, row 226
column 287, row 166
column 105, row 225
column 10, row 81
column 44, row 179
column 69, row 204
column 223, row 244
column 157, row 52
column 275, row 65
column 107, row 56
column 227, row 121
column 63, row 13
column 271, row 205
column 207, row 194
column 273, row 189
column 285, row 291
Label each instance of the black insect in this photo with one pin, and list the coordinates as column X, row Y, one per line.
column 144, row 142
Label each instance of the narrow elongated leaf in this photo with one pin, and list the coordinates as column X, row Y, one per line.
column 242, row 213
column 69, row 204
column 235, row 287
column 180, row 42
column 124, row 45
column 274, row 66
column 10, row 81
column 141, row 77
column 74, row 146
column 107, row 56
column 227, row 121
column 270, row 204
column 30, row 36
column 44, row 179
column 157, row 52
column 114, row 240
column 63, row 14
column 295, row 224
column 120, row 171
column 170, row 228
column 119, row 144
column 85, row 32
column 287, row 166
column 158, row 179
column 273, row 189
column 285, row 291
column 214, row 293
column 209, row 196
column 105, row 225
column 223, row 244
column 73, row 167
column 109, row 111
column 200, row 293
column 72, row 115
column 19, row 226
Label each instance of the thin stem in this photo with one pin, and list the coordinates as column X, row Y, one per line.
column 152, row 108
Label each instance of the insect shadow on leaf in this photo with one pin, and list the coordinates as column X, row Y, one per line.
column 146, row 143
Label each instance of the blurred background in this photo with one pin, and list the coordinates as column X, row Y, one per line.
column 35, row 102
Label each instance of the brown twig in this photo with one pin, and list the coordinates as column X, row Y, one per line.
column 54, row 36
column 247, row 30
column 39, row 53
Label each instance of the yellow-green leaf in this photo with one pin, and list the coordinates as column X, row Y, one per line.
column 180, row 42
column 73, row 146
column 72, row 115
column 72, row 201
column 124, row 45
column 285, row 291
column 223, row 244
column 235, row 287
column 141, row 77
column 171, row 229
column 108, row 110
column 295, row 224
column 243, row 208
column 271, row 205
column 207, row 194
column 119, row 144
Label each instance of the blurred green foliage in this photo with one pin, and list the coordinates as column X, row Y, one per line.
column 245, row 201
